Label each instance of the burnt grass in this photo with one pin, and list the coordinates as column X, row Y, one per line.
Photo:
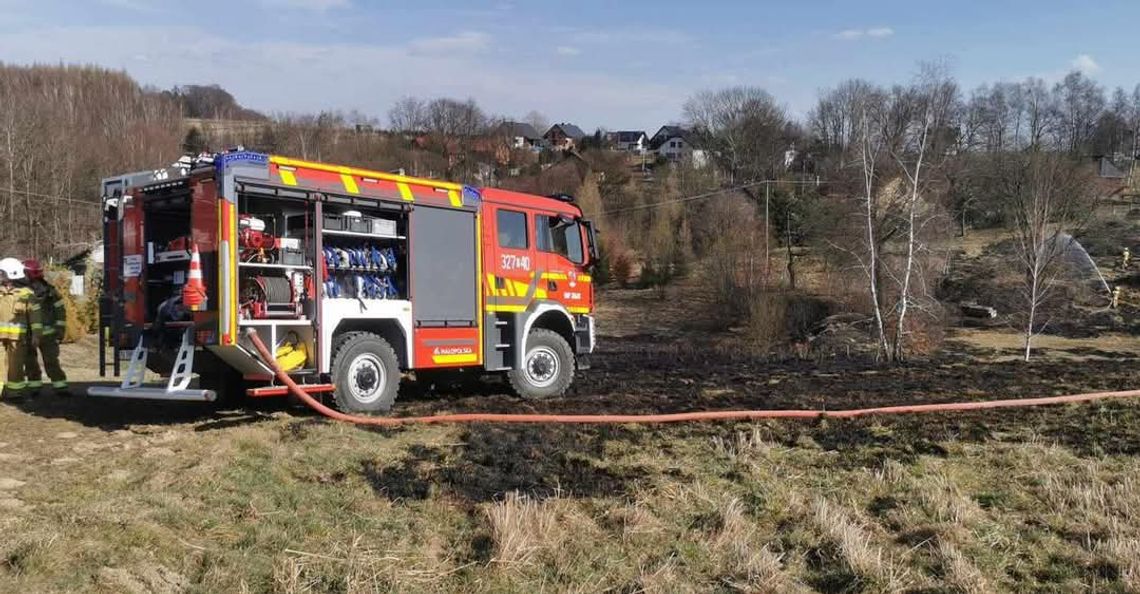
column 640, row 375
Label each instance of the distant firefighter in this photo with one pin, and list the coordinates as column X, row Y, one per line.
column 1116, row 297
column 1125, row 258
column 54, row 318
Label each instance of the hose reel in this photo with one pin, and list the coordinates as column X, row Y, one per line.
column 270, row 297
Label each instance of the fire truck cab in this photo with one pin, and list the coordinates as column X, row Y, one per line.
column 356, row 278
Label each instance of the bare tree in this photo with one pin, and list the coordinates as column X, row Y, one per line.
column 1079, row 102
column 742, row 127
column 932, row 102
column 835, row 121
column 869, row 149
column 1037, row 109
column 1049, row 200
column 409, row 114
column 453, row 118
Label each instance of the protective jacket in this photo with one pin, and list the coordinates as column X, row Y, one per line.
column 19, row 314
column 52, row 311
column 19, row 324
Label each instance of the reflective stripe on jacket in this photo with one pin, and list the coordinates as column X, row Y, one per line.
column 18, row 313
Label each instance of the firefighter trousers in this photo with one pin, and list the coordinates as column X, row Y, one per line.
column 15, row 384
column 49, row 351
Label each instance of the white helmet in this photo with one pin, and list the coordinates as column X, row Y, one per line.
column 12, row 268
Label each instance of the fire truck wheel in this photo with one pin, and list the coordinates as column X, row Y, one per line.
column 366, row 373
column 548, row 367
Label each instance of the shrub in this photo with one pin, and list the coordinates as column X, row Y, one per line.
column 621, row 268
column 76, row 328
column 767, row 320
column 92, row 295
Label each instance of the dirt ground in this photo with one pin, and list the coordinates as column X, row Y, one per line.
column 125, row 496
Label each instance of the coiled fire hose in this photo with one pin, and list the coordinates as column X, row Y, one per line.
column 721, row 415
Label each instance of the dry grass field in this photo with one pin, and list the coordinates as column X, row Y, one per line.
column 121, row 496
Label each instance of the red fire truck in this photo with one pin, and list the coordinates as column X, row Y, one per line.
column 356, row 277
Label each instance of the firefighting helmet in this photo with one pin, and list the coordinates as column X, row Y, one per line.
column 12, row 269
column 32, row 269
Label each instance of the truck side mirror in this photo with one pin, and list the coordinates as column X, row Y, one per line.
column 591, row 243
column 561, row 221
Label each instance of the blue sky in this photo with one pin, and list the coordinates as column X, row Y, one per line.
column 609, row 63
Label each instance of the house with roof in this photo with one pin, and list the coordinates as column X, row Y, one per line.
column 519, row 134
column 675, row 144
column 563, row 136
column 633, row 141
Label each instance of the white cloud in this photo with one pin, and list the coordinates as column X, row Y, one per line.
column 314, row 5
column 251, row 70
column 565, row 50
column 468, row 42
column 856, row 34
column 1085, row 64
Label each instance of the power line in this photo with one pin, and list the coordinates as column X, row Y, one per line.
column 710, row 194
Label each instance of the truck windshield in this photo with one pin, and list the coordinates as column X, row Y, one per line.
column 559, row 237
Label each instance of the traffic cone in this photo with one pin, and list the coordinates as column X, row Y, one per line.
column 194, row 291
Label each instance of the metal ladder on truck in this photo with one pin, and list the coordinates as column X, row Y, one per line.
column 177, row 387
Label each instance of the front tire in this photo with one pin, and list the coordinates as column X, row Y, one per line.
column 366, row 373
column 548, row 367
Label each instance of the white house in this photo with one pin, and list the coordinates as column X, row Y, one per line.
column 633, row 141
column 675, row 144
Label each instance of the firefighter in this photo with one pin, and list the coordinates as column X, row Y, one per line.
column 1125, row 258
column 19, row 319
column 54, row 318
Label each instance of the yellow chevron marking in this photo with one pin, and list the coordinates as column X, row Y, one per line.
column 287, row 177
column 431, row 183
column 405, row 191
column 349, row 183
column 453, row 196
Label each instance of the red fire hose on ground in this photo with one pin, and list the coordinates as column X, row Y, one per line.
column 724, row 415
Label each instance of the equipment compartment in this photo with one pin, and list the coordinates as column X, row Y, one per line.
column 361, row 264
column 275, row 273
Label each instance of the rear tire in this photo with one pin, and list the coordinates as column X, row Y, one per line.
column 366, row 373
column 548, row 367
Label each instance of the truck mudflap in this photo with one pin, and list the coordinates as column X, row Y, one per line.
column 177, row 388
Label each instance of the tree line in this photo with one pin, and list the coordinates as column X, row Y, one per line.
column 871, row 177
